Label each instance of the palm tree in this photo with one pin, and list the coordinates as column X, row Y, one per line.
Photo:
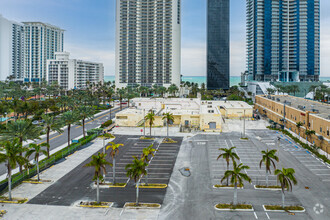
column 286, row 178
column 151, row 118
column 309, row 133
column 68, row 118
column 10, row 153
column 85, row 112
column 146, row 152
column 135, row 171
column 236, row 177
column 268, row 158
column 98, row 162
column 50, row 124
column 23, row 130
column 228, row 155
column 168, row 117
column 36, row 149
column 121, row 93
column 114, row 151
column 298, row 125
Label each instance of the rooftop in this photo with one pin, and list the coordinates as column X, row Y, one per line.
column 320, row 109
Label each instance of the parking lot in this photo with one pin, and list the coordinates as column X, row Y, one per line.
column 312, row 190
column 77, row 184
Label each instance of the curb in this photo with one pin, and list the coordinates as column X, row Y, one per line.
column 295, row 211
column 161, row 186
column 144, row 203
column 234, row 210
column 96, row 206
column 269, row 189
column 226, row 187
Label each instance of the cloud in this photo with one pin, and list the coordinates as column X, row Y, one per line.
column 193, row 60
column 237, row 57
column 107, row 57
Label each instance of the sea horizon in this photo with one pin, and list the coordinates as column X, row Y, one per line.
column 234, row 80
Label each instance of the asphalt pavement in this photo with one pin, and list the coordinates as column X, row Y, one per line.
column 77, row 185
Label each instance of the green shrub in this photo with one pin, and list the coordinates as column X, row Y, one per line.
column 106, row 124
column 94, row 131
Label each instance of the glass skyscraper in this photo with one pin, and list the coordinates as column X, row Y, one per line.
column 283, row 40
column 218, row 44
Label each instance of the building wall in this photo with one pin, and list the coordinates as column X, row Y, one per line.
column 275, row 111
column 148, row 43
column 268, row 56
column 11, row 49
column 41, row 42
column 218, row 44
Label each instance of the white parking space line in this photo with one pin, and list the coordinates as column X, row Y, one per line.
column 321, row 169
column 255, row 215
column 322, row 174
column 267, row 215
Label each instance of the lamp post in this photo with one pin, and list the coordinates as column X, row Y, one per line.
column 144, row 123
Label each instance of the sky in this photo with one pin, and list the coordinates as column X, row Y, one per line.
column 90, row 30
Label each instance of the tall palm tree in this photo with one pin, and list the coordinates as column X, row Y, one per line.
column 135, row 171
column 50, row 124
column 85, row 112
column 151, row 118
column 98, row 162
column 23, row 130
column 36, row 149
column 68, row 118
column 168, row 117
column 286, row 178
column 113, row 153
column 298, row 125
column 121, row 93
column 268, row 158
column 10, row 154
column 236, row 177
column 146, row 152
column 228, row 155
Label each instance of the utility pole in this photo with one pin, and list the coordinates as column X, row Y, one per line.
column 144, row 122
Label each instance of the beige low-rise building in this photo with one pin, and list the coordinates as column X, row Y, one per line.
column 189, row 114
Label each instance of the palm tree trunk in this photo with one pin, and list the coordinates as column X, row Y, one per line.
column 227, row 170
column 283, row 198
column 137, row 192
column 21, row 154
column 38, row 170
column 83, row 122
column 98, row 190
column 266, row 178
column 48, row 130
column 150, row 130
column 167, row 129
column 235, row 194
column 69, row 126
column 9, row 182
column 114, row 170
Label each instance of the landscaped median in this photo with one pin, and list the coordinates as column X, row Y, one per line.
column 35, row 181
column 4, row 199
column 132, row 205
column 109, row 185
column 152, row 186
column 231, row 207
column 169, row 141
column 25, row 175
column 146, row 138
column 89, row 204
column 279, row 208
column 262, row 187
column 230, row 186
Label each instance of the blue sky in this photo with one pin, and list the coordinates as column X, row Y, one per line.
column 90, row 30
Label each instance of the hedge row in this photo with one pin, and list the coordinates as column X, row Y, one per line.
column 312, row 149
column 46, row 163
column 106, row 124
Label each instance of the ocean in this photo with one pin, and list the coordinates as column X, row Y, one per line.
column 234, row 80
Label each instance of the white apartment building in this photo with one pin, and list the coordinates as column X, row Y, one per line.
column 11, row 49
column 73, row 73
column 41, row 42
column 148, row 42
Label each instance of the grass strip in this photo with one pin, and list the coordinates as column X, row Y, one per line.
column 268, row 187
column 286, row 208
column 4, row 199
column 231, row 206
column 142, row 205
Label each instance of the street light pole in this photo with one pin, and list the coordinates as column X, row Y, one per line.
column 144, row 123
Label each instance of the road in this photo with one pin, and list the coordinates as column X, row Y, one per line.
column 57, row 139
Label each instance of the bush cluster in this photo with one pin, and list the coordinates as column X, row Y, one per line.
column 306, row 146
column 106, row 124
